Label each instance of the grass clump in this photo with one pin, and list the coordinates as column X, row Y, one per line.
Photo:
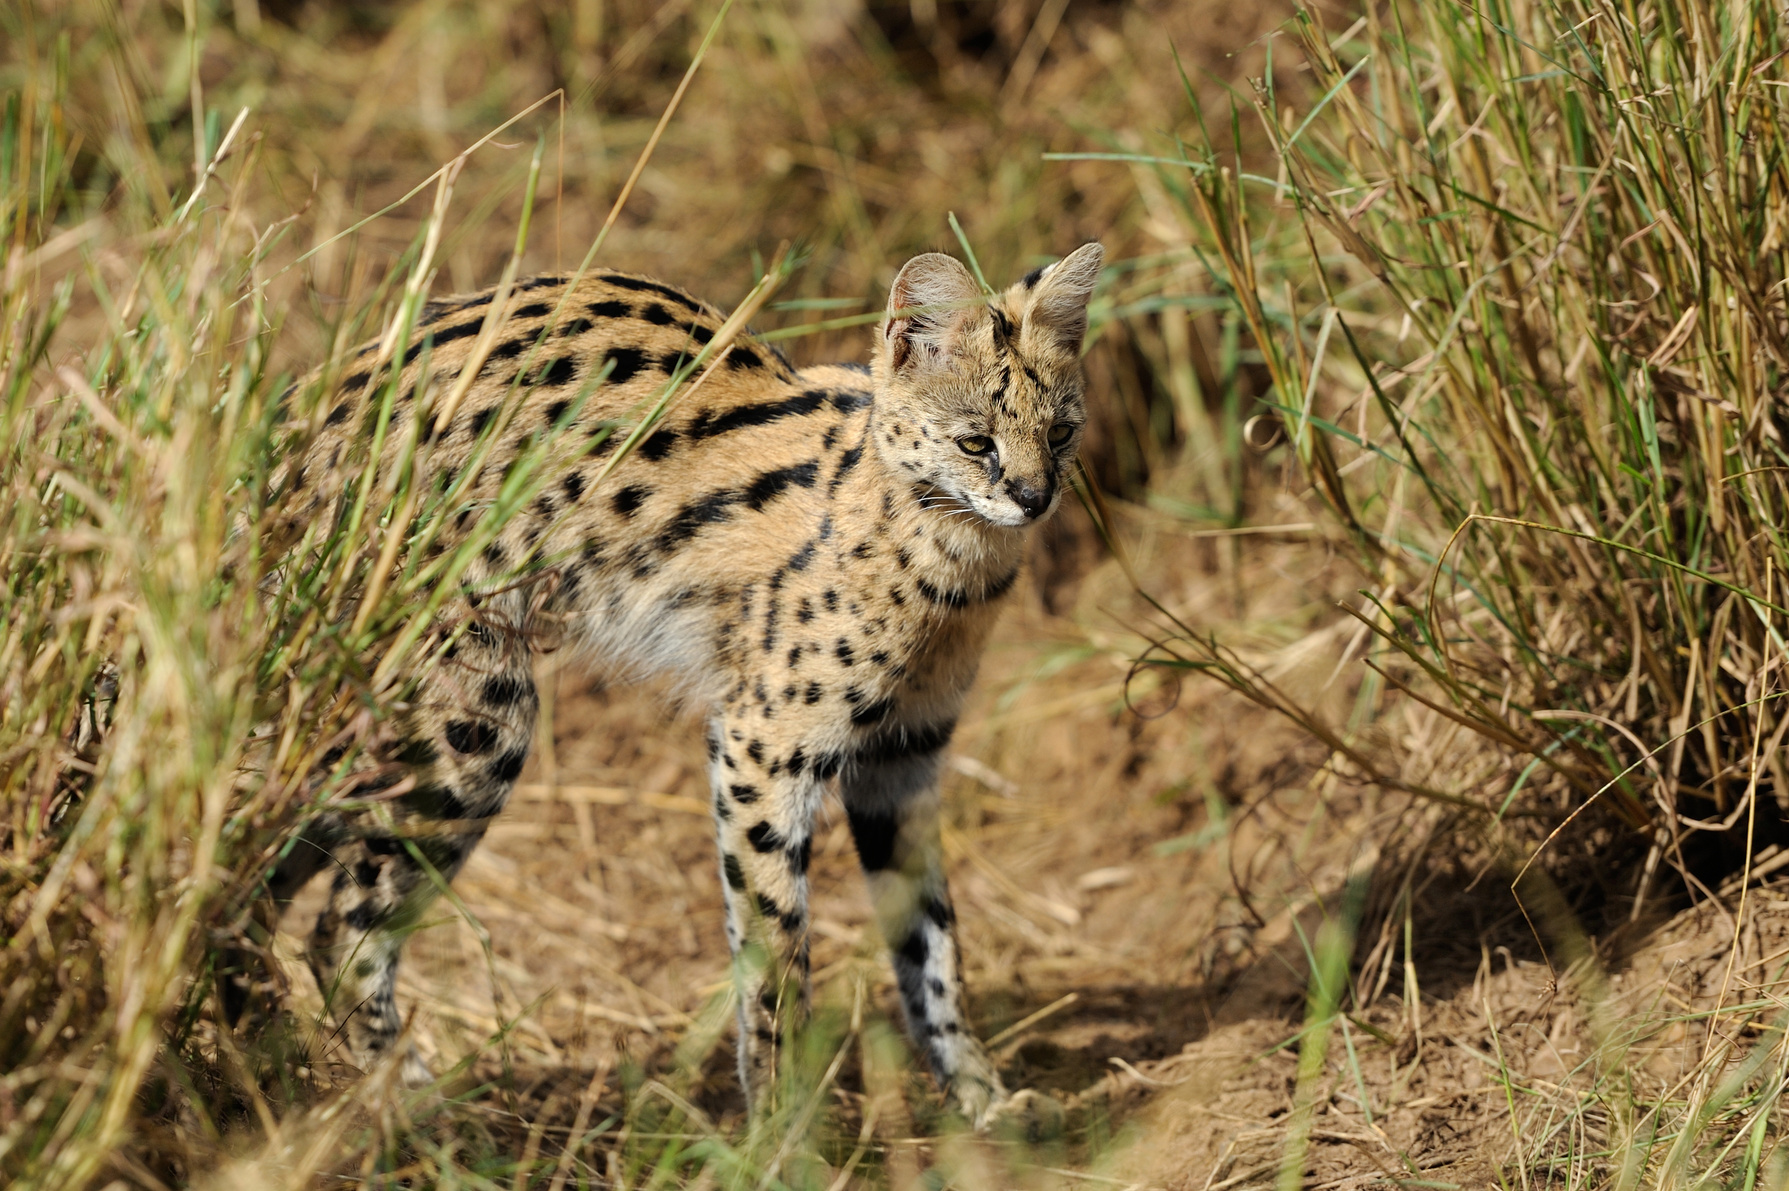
column 1518, row 292
column 170, row 679
column 1517, row 283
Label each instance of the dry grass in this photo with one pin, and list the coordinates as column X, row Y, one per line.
column 1447, row 270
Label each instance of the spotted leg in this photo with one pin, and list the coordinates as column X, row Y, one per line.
column 766, row 792
column 891, row 799
column 459, row 754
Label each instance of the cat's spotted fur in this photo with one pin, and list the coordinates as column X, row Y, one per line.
column 816, row 555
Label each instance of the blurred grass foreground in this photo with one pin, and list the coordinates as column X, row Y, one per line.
column 1493, row 295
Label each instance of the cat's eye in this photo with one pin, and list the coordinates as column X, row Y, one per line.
column 976, row 444
column 1060, row 433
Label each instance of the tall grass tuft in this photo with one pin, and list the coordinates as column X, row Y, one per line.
column 1518, row 284
column 1517, row 280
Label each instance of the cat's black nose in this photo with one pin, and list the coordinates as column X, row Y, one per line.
column 1034, row 500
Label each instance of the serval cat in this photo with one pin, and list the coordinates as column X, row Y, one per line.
column 815, row 555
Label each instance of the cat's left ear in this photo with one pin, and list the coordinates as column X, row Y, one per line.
column 1056, row 300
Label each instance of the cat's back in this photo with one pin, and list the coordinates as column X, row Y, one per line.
column 593, row 357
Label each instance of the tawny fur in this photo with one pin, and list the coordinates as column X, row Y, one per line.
column 817, row 556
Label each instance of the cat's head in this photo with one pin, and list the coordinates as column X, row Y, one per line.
column 978, row 398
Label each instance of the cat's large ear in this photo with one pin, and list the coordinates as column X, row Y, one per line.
column 1056, row 313
column 932, row 280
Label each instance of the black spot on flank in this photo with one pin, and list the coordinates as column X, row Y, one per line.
column 533, row 310
column 495, row 556
column 337, row 416
column 830, row 437
column 831, row 599
column 555, row 410
column 844, row 652
column 755, row 750
column 771, row 484
column 383, row 845
column 573, row 485
column 872, row 713
column 354, row 383
column 541, row 282
column 743, row 357
column 658, row 444
column 899, row 597
column 562, row 371
column 576, row 326
column 508, row 351
column 735, row 873
column 863, row 550
column 708, row 424
column 611, row 309
column 670, row 362
column 470, row 737
column 629, row 499
column 705, row 510
column 504, row 691
column 764, row 838
column 804, row 612
column 505, row 768
column 658, row 315
column 641, row 285
column 812, row 695
column 480, row 420
column 874, row 830
column 857, row 366
column 744, row 793
column 624, row 363
column 701, row 334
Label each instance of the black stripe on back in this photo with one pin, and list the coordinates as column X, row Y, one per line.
column 707, row 424
column 641, row 285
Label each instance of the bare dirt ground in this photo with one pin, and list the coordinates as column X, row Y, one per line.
column 1138, row 890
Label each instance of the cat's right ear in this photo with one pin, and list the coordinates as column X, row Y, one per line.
column 932, row 302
